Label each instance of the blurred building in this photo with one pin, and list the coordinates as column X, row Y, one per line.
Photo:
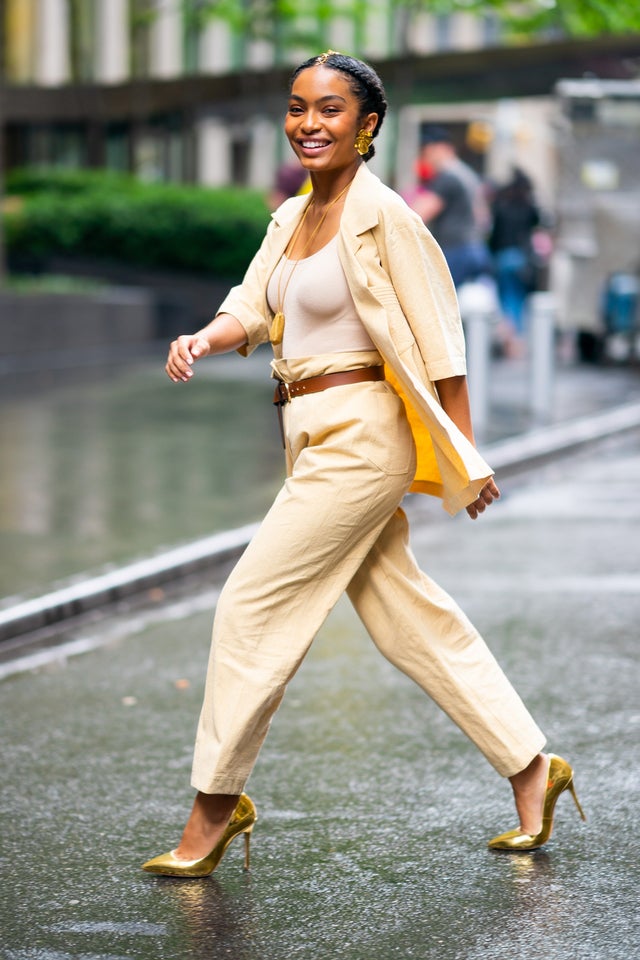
column 149, row 113
column 51, row 42
column 168, row 90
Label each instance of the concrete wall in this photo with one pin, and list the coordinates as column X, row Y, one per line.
column 51, row 323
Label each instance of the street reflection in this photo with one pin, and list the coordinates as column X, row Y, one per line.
column 210, row 921
column 539, row 898
column 528, row 867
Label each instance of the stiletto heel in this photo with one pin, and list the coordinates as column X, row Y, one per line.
column 572, row 790
column 247, row 841
column 560, row 778
column 242, row 821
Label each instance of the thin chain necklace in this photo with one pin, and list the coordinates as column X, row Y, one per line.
column 277, row 327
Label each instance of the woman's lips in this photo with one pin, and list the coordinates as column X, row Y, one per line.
column 313, row 146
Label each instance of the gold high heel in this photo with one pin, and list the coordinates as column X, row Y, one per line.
column 560, row 778
column 242, row 820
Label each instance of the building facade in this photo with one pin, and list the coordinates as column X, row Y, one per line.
column 114, row 83
column 52, row 42
column 172, row 90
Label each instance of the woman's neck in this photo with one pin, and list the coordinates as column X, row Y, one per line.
column 327, row 186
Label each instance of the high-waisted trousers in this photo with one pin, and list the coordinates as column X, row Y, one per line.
column 337, row 525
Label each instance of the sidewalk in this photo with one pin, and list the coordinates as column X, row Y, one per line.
column 579, row 390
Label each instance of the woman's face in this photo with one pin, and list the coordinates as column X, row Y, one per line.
column 323, row 119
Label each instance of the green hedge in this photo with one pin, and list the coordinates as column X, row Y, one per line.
column 114, row 217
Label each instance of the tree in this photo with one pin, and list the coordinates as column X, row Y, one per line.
column 269, row 19
column 282, row 22
column 572, row 18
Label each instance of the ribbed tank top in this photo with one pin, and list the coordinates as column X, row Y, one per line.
column 320, row 315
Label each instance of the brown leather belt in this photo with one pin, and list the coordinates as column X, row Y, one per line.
column 285, row 392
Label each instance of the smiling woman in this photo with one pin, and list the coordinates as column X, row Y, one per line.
column 328, row 110
column 329, row 115
column 369, row 363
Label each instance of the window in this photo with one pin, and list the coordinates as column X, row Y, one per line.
column 118, row 147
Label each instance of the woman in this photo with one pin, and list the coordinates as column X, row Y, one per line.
column 356, row 298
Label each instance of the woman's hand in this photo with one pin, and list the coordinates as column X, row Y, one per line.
column 454, row 398
column 487, row 495
column 223, row 334
column 183, row 352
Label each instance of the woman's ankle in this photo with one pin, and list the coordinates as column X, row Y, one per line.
column 214, row 808
column 529, row 786
column 207, row 821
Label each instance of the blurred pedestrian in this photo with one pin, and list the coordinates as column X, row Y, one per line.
column 515, row 217
column 423, row 174
column 356, row 299
column 291, row 180
column 453, row 206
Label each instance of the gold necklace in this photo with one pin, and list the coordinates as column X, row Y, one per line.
column 276, row 332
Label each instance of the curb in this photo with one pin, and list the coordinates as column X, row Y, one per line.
column 519, row 453
column 80, row 598
column 507, row 456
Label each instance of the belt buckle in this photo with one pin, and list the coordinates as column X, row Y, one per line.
column 284, row 392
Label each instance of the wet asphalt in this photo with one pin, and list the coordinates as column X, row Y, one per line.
column 374, row 810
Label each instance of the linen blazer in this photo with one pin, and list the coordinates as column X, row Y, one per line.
column 404, row 295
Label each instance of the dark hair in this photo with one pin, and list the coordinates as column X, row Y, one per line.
column 364, row 82
column 434, row 134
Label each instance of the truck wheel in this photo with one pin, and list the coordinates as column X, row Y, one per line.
column 590, row 347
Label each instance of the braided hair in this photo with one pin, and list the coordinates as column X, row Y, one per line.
column 364, row 82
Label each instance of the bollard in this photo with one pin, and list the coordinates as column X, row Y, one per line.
column 477, row 308
column 541, row 308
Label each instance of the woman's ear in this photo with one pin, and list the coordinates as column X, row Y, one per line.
column 370, row 122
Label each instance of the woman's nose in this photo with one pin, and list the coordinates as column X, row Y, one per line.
column 310, row 121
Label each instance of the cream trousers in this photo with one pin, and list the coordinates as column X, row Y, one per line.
column 337, row 525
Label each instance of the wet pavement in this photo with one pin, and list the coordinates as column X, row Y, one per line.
column 107, row 463
column 374, row 810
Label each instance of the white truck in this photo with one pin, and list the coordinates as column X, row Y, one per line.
column 595, row 269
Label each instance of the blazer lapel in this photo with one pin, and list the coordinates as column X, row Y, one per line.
column 359, row 214
column 286, row 218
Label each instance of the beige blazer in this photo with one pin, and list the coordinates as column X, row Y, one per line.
column 403, row 292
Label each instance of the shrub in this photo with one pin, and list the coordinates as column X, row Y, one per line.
column 109, row 216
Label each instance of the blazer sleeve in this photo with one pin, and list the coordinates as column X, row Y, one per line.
column 422, row 283
column 247, row 301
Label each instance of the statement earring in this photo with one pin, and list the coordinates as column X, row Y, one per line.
column 363, row 142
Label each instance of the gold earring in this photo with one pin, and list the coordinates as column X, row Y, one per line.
column 363, row 142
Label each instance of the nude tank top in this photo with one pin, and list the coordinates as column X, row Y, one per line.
column 320, row 315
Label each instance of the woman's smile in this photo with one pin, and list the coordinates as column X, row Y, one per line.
column 313, row 146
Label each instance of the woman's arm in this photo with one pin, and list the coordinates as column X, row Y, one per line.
column 454, row 397
column 223, row 334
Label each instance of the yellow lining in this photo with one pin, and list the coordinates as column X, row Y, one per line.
column 427, row 477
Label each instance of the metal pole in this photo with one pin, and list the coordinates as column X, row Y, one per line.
column 542, row 321
column 477, row 322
